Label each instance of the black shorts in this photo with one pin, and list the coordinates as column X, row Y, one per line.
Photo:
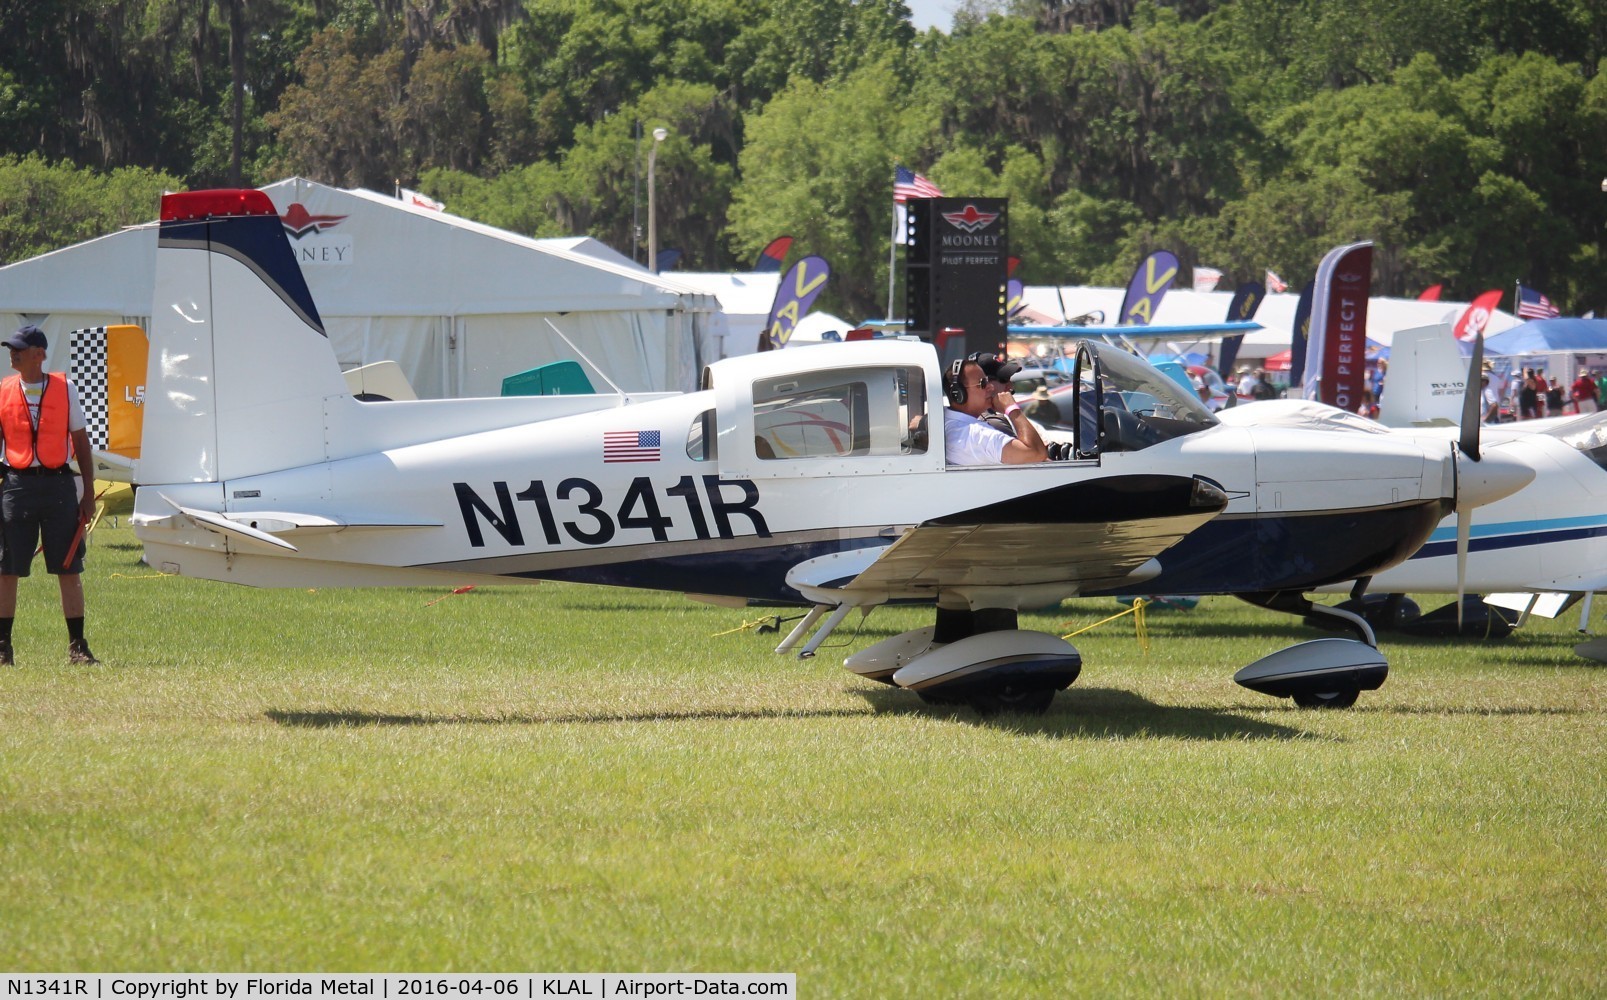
column 31, row 506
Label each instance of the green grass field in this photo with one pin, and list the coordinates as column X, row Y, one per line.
column 562, row 778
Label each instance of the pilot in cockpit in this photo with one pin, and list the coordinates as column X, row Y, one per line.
column 972, row 392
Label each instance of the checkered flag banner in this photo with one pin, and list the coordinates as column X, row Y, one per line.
column 88, row 372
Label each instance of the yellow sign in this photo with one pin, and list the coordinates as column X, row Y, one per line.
column 126, row 351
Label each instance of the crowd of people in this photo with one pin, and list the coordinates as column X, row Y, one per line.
column 1532, row 395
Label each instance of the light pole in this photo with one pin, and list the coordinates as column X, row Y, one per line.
column 659, row 135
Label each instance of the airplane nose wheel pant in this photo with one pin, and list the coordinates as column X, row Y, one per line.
column 1321, row 673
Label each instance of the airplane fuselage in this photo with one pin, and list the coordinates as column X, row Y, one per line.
column 682, row 494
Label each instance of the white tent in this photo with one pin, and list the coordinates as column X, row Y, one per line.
column 457, row 304
column 1277, row 314
column 745, row 303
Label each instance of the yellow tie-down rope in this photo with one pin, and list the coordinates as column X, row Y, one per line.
column 769, row 623
column 1140, row 628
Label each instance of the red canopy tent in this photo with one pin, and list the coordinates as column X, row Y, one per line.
column 1280, row 362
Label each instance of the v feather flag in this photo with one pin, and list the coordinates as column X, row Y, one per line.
column 1144, row 293
column 1336, row 350
column 1246, row 300
column 799, row 288
column 1014, row 293
column 1299, row 333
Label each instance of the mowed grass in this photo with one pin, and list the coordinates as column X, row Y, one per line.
column 579, row 779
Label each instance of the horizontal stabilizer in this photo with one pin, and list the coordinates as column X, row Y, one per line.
column 264, row 526
column 210, row 521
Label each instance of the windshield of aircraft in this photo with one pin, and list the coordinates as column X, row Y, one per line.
column 1588, row 434
column 1141, row 389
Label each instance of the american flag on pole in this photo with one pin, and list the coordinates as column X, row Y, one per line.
column 631, row 446
column 1275, row 283
column 1533, row 305
column 908, row 184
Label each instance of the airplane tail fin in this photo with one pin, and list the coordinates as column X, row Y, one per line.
column 240, row 367
column 1427, row 379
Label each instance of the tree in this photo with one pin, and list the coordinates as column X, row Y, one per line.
column 339, row 125
column 44, row 206
column 818, row 164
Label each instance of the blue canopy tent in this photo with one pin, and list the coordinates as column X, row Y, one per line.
column 1550, row 336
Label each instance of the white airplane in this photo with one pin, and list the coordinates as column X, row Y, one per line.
column 1537, row 550
column 806, row 477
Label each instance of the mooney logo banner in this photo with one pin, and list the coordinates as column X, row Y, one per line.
column 311, row 238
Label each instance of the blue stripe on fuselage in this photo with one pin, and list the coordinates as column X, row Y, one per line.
column 1515, row 534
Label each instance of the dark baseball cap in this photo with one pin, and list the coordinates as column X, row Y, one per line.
column 998, row 371
column 26, row 337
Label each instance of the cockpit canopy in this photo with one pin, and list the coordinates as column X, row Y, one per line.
column 1587, row 434
column 1122, row 403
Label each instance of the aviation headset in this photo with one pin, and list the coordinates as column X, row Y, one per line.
column 952, row 386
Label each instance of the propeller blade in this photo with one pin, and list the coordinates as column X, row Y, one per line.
column 1472, row 400
column 1464, row 529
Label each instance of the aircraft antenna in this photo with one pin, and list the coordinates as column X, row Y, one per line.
column 589, row 361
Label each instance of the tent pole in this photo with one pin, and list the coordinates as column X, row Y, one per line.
column 892, row 255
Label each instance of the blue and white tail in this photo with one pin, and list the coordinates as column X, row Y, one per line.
column 240, row 371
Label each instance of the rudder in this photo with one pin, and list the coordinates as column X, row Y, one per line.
column 240, row 367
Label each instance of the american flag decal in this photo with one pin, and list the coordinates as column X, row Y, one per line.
column 631, row 446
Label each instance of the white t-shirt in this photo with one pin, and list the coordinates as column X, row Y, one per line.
column 969, row 441
column 75, row 413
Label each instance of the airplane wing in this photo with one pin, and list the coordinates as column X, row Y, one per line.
column 1192, row 331
column 1072, row 538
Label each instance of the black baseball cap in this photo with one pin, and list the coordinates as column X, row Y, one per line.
column 26, row 337
column 998, row 371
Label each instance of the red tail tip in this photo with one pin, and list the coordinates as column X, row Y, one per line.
column 187, row 205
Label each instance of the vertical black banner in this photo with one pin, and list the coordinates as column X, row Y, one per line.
column 956, row 264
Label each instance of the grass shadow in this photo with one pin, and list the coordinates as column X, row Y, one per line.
column 1430, row 710
column 356, row 719
column 1102, row 713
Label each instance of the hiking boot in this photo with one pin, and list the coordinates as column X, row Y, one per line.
column 5, row 653
column 78, row 652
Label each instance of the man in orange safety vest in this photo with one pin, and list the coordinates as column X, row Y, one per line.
column 40, row 419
